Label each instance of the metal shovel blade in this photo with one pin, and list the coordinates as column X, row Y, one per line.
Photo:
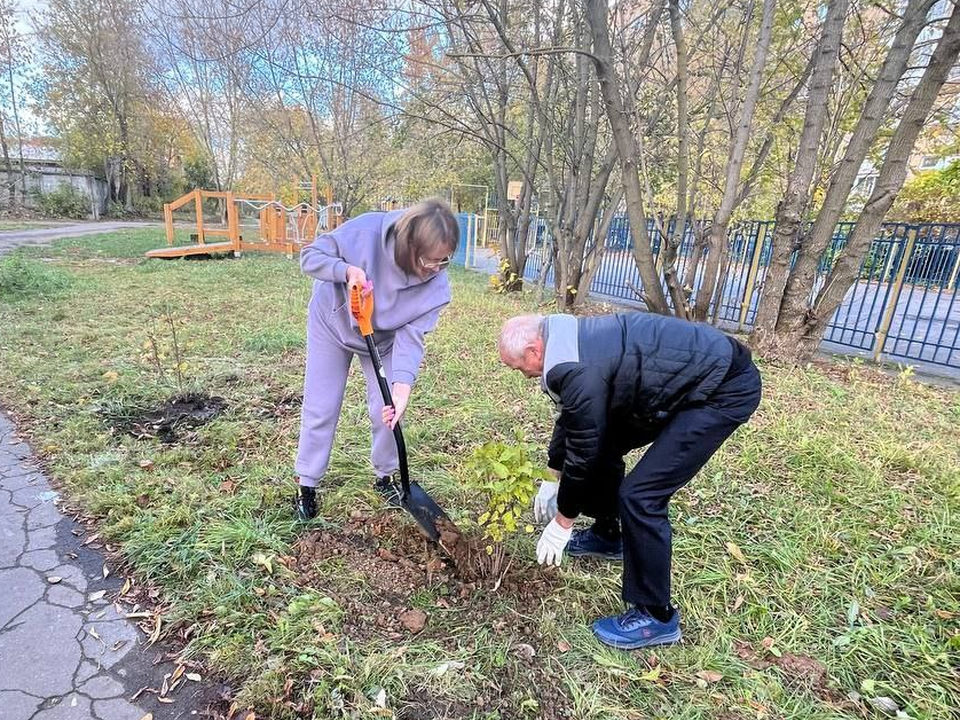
column 424, row 510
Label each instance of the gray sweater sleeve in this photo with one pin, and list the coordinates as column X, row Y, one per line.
column 322, row 259
column 408, row 344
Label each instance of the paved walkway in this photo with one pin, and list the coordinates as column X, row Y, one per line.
column 42, row 236
column 67, row 651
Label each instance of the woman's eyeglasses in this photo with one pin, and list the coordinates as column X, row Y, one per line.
column 435, row 264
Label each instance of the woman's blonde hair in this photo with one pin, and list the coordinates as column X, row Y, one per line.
column 426, row 228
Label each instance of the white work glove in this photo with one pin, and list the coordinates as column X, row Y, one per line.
column 552, row 542
column 545, row 503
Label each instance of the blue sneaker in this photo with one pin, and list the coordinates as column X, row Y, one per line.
column 635, row 629
column 586, row 543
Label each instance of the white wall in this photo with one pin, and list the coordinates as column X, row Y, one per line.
column 47, row 179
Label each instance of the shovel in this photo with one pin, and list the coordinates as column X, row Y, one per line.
column 413, row 498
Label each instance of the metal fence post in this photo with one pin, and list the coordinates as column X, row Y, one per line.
column 893, row 297
column 956, row 270
column 472, row 222
column 752, row 275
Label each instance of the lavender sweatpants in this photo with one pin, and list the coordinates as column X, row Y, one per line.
column 324, row 383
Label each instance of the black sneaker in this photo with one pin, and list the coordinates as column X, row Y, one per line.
column 307, row 503
column 586, row 543
column 390, row 489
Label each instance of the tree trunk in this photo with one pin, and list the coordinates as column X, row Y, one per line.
column 775, row 123
column 792, row 206
column 806, row 331
column 8, row 166
column 16, row 125
column 673, row 238
column 717, row 244
column 802, row 278
column 629, row 155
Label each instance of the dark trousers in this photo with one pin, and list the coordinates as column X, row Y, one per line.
column 680, row 449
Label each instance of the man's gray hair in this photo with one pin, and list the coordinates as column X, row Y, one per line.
column 518, row 333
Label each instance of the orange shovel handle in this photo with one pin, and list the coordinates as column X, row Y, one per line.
column 361, row 307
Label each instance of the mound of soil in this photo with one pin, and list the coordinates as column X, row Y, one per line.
column 182, row 412
column 396, row 562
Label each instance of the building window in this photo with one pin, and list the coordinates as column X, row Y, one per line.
column 865, row 185
column 928, row 162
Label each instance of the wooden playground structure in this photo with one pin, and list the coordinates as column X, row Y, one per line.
column 280, row 228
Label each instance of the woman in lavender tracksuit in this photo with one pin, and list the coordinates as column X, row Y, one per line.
column 404, row 254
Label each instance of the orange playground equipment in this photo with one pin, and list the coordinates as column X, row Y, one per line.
column 252, row 222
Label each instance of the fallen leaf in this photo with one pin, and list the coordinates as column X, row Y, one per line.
column 110, row 376
column 526, row 651
column 146, row 464
column 95, row 634
column 736, row 552
column 54, row 579
column 97, row 595
column 148, row 716
column 884, row 705
column 651, row 676
column 164, row 699
column 710, row 676
column 945, row 614
column 251, row 716
column 127, row 584
column 227, row 487
column 177, row 673
column 563, row 646
column 853, row 612
column 381, row 699
column 413, row 620
column 445, row 667
column 737, row 603
column 155, row 635
column 92, row 538
column 767, row 642
column 264, row 560
column 195, row 677
column 106, row 571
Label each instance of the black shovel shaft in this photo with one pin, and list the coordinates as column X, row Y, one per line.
column 388, row 400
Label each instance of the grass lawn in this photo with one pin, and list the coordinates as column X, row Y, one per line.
column 816, row 557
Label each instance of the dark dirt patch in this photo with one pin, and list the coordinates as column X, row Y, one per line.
column 799, row 670
column 421, row 705
column 396, row 562
column 166, row 423
column 846, row 372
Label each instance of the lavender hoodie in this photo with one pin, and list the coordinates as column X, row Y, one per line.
column 405, row 308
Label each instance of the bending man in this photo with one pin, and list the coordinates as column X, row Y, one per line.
column 622, row 382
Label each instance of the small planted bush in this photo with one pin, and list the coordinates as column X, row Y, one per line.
column 506, row 478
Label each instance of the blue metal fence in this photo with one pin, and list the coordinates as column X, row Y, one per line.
column 904, row 306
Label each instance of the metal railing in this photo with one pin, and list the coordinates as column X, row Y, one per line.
column 905, row 305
